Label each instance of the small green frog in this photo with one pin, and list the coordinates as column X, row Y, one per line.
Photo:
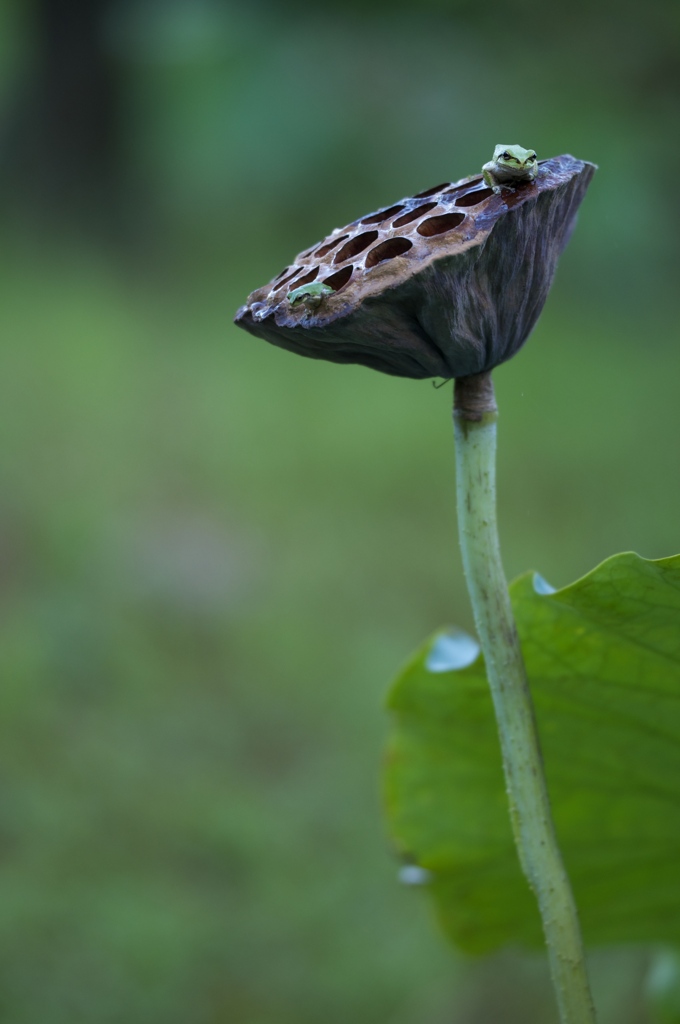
column 509, row 164
column 309, row 295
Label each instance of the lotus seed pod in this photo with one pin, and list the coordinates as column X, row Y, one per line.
column 446, row 283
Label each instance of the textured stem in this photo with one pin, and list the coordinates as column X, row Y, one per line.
column 475, row 417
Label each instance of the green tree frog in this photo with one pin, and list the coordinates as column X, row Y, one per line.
column 509, row 165
column 309, row 295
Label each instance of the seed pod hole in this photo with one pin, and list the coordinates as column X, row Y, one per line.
column 438, row 225
column 325, row 249
column 339, row 279
column 432, row 191
column 383, row 215
column 287, row 280
column 473, row 198
column 307, row 277
column 355, row 246
column 387, row 251
column 413, row 214
column 457, row 189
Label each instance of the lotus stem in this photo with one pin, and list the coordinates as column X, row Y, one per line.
column 475, row 416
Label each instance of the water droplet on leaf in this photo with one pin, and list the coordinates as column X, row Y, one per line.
column 542, row 586
column 413, row 874
column 452, row 650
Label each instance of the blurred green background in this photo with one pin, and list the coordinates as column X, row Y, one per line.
column 214, row 554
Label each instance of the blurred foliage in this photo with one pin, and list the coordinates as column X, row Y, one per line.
column 214, row 554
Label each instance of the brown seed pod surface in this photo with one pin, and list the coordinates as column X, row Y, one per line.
column 448, row 282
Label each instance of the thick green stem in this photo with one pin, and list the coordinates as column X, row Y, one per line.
column 475, row 417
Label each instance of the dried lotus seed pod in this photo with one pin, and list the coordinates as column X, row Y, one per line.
column 446, row 283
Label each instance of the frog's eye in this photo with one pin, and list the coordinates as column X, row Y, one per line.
column 507, row 156
column 532, row 156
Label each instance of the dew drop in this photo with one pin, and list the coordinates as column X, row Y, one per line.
column 452, row 650
column 542, row 586
column 413, row 874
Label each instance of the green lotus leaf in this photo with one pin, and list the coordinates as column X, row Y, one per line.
column 603, row 660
